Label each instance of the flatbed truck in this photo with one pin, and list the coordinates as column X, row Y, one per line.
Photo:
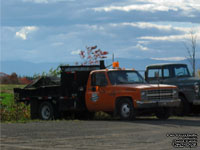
column 89, row 89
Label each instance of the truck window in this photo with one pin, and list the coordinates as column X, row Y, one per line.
column 181, row 71
column 166, row 73
column 99, row 79
column 125, row 77
column 152, row 73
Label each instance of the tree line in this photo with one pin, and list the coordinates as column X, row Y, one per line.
column 14, row 79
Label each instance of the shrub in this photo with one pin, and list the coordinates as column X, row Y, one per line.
column 11, row 111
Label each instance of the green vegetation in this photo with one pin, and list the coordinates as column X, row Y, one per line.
column 9, row 110
column 8, row 88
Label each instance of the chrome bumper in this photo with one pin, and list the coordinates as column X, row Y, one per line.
column 161, row 103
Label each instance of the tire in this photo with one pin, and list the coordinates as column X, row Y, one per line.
column 163, row 114
column 126, row 109
column 46, row 111
column 184, row 108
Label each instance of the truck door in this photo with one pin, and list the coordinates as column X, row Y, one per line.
column 97, row 96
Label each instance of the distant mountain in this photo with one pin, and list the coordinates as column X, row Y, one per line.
column 28, row 68
column 140, row 64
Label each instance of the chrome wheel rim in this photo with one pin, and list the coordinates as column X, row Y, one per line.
column 46, row 112
column 125, row 110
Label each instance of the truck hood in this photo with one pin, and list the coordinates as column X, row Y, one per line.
column 187, row 80
column 145, row 86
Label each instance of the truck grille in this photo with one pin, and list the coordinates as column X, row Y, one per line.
column 161, row 94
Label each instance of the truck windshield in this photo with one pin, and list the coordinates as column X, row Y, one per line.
column 125, row 77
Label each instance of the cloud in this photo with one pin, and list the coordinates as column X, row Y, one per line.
column 37, row 1
column 163, row 38
column 170, row 58
column 75, row 52
column 149, row 25
column 186, row 7
column 47, row 1
column 143, row 42
column 172, row 38
column 144, row 25
column 142, row 48
column 141, row 7
column 25, row 31
column 92, row 27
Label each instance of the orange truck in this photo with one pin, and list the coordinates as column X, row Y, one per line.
column 84, row 90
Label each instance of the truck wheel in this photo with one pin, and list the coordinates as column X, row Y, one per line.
column 184, row 108
column 46, row 111
column 163, row 114
column 126, row 110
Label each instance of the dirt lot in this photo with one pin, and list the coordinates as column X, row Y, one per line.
column 143, row 133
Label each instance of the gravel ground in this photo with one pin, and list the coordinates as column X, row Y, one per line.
column 141, row 134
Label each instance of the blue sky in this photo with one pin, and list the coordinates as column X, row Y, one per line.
column 56, row 30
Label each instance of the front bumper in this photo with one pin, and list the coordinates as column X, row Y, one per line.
column 155, row 104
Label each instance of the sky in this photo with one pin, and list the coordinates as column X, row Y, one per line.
column 56, row 30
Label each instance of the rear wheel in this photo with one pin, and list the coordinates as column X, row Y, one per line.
column 46, row 111
column 126, row 109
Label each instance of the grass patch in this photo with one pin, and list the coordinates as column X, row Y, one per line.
column 102, row 115
column 8, row 88
column 9, row 110
column 7, row 99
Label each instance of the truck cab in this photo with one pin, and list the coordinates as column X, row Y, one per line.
column 179, row 75
column 126, row 93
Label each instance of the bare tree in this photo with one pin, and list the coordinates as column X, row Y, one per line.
column 191, row 50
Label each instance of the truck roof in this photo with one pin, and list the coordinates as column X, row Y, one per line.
column 118, row 69
column 165, row 64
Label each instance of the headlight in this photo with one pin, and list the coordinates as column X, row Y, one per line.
column 143, row 95
column 196, row 87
